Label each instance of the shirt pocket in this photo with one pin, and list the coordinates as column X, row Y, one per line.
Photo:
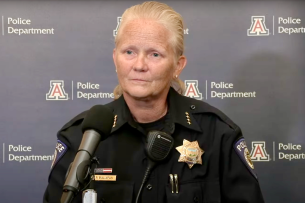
column 121, row 192
column 197, row 191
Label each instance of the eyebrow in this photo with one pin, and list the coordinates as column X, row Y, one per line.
column 159, row 49
column 128, row 47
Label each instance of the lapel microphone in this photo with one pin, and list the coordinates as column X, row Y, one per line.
column 159, row 144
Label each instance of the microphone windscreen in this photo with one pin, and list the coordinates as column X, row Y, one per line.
column 99, row 118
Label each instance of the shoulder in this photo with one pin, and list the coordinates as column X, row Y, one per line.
column 77, row 120
column 71, row 131
column 200, row 108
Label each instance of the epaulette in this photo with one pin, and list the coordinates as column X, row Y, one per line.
column 198, row 106
column 79, row 117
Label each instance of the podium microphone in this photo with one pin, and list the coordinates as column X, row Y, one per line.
column 96, row 127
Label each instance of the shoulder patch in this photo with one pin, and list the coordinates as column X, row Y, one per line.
column 60, row 150
column 241, row 149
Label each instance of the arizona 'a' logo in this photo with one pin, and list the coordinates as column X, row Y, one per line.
column 258, row 152
column 57, row 91
column 115, row 32
column 258, row 27
column 192, row 89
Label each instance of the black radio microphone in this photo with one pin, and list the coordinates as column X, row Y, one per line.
column 95, row 127
column 159, row 145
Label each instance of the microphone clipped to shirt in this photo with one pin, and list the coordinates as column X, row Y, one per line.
column 96, row 127
column 159, row 144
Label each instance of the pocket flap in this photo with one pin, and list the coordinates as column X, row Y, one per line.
column 190, row 192
column 114, row 191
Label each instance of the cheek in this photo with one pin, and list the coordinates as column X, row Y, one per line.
column 167, row 71
column 122, row 74
column 123, row 67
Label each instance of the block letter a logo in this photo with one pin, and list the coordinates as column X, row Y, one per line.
column 57, row 91
column 258, row 27
column 258, row 152
column 192, row 90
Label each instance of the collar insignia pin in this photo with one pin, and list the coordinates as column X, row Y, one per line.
column 188, row 118
column 190, row 153
column 114, row 121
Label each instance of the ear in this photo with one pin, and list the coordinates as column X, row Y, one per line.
column 181, row 63
column 113, row 56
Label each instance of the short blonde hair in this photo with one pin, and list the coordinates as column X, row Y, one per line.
column 166, row 16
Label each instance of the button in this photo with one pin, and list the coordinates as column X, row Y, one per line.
column 149, row 187
column 195, row 199
column 193, row 107
column 172, row 128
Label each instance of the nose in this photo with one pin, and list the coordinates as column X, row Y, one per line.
column 140, row 63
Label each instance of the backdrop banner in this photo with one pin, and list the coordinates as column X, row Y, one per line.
column 244, row 57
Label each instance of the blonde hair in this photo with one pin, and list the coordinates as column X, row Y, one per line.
column 166, row 16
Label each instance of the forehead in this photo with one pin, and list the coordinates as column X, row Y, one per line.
column 144, row 32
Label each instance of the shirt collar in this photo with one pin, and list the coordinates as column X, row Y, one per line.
column 122, row 114
column 179, row 110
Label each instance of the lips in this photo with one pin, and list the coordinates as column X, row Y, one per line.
column 140, row 80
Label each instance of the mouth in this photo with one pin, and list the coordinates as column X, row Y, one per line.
column 139, row 80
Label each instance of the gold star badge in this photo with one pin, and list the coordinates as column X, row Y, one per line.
column 190, row 153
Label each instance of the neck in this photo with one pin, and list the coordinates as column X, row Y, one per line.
column 147, row 110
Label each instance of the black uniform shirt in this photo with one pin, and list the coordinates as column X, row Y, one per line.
column 224, row 176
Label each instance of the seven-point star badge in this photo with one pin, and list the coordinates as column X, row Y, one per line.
column 190, row 153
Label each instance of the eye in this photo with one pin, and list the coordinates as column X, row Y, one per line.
column 155, row 54
column 129, row 52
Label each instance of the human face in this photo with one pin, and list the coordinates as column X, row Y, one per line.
column 144, row 59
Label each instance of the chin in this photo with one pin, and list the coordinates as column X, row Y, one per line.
column 138, row 93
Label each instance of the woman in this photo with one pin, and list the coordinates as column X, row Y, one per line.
column 210, row 161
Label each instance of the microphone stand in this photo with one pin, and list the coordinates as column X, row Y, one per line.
column 85, row 178
column 89, row 195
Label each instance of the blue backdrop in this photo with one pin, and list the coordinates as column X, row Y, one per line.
column 244, row 57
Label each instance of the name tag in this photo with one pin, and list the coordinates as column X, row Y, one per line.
column 105, row 177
